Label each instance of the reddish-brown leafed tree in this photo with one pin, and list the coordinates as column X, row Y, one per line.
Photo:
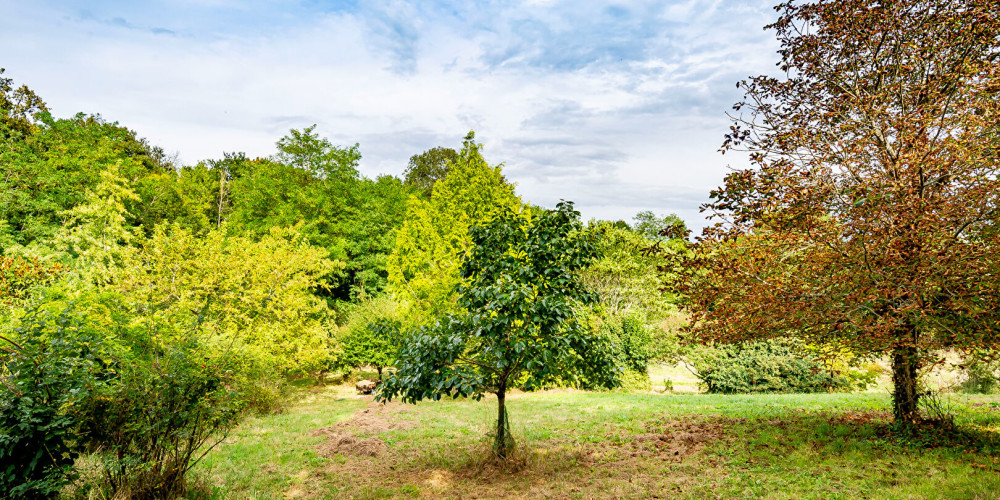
column 870, row 218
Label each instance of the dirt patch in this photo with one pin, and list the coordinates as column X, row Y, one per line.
column 342, row 438
column 347, row 444
column 679, row 438
column 377, row 417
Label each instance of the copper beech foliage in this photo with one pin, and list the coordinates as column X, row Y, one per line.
column 869, row 220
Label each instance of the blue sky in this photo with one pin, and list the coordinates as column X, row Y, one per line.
column 618, row 106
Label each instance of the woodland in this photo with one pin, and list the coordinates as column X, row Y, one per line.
column 196, row 331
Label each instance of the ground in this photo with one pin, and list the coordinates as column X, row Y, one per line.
column 335, row 444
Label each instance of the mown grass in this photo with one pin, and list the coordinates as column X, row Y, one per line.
column 610, row 445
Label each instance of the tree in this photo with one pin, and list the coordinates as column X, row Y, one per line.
column 251, row 299
column 424, row 265
column 659, row 228
column 308, row 151
column 635, row 274
column 18, row 107
column 309, row 181
column 518, row 292
column 870, row 222
column 372, row 234
column 373, row 345
column 49, row 170
column 429, row 167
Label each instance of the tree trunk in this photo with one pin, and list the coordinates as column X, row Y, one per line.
column 379, row 368
column 504, row 442
column 904, row 385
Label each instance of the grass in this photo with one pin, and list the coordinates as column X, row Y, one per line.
column 606, row 445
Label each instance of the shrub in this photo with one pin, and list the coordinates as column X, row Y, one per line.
column 631, row 342
column 148, row 398
column 374, row 345
column 771, row 366
column 18, row 275
column 980, row 376
column 634, row 381
column 159, row 417
column 51, row 368
column 625, row 341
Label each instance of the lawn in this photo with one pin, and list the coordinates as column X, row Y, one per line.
column 335, row 444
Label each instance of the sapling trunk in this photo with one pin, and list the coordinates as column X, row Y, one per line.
column 504, row 442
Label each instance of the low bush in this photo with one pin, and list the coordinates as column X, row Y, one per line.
column 980, row 376
column 770, row 366
column 631, row 342
column 375, row 344
column 159, row 417
column 51, row 367
column 634, row 381
column 149, row 400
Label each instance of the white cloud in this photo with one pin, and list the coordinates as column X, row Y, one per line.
column 619, row 107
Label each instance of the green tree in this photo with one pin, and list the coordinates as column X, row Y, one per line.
column 18, row 107
column 519, row 291
column 428, row 167
column 251, row 298
column 306, row 150
column 424, row 265
column 97, row 235
column 313, row 182
column 869, row 220
column 372, row 235
column 635, row 274
column 49, row 171
column 659, row 228
column 373, row 345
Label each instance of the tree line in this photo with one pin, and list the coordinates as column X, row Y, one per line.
column 151, row 305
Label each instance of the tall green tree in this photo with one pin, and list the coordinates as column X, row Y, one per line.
column 49, row 170
column 518, row 292
column 18, row 107
column 428, row 167
column 424, row 265
column 663, row 228
column 309, row 181
column 869, row 220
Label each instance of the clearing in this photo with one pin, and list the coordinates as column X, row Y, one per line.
column 335, row 444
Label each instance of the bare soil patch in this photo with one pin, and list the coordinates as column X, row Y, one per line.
column 343, row 439
column 377, row 417
column 630, row 466
column 347, row 444
column 677, row 439
column 861, row 417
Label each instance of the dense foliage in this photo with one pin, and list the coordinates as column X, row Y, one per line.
column 869, row 220
column 767, row 366
column 424, row 265
column 518, row 292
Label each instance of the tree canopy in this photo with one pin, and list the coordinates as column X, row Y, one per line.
column 428, row 167
column 518, row 292
column 869, row 220
column 424, row 265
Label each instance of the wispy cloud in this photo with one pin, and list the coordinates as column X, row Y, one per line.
column 616, row 105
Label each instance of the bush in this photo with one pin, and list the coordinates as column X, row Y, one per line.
column 625, row 341
column 148, row 405
column 50, row 369
column 159, row 417
column 634, row 381
column 770, row 366
column 980, row 376
column 374, row 345
column 630, row 340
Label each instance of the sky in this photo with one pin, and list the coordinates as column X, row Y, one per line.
column 617, row 106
